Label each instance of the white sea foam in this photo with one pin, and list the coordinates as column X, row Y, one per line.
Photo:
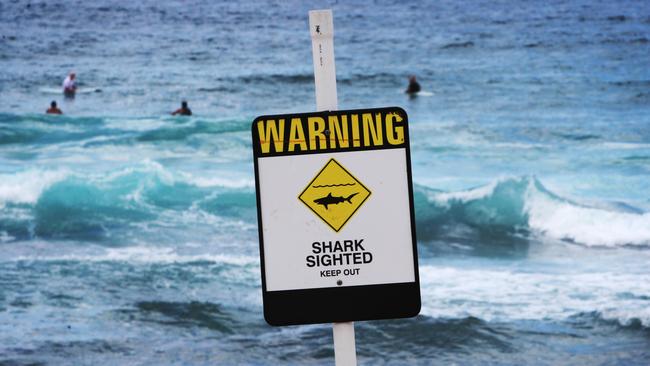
column 213, row 181
column 505, row 294
column 145, row 166
column 169, row 177
column 144, row 254
column 170, row 255
column 519, row 145
column 625, row 145
column 5, row 237
column 585, row 225
column 27, row 186
column 139, row 124
column 445, row 198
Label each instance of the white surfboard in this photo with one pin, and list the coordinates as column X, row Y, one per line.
column 84, row 90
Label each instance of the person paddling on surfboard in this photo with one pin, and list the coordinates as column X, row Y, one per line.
column 184, row 110
column 53, row 109
column 70, row 85
column 414, row 86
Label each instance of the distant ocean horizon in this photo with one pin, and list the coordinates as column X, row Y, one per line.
column 129, row 236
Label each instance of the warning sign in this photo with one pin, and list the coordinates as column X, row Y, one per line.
column 334, row 195
column 335, row 216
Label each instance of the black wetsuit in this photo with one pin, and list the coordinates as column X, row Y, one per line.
column 413, row 88
column 183, row 112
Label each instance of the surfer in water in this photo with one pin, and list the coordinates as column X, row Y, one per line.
column 184, row 110
column 53, row 109
column 70, row 85
column 414, row 86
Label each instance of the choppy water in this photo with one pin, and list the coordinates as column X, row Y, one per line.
column 128, row 236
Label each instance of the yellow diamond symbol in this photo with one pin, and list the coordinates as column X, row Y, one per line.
column 334, row 195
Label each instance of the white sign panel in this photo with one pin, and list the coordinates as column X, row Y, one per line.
column 302, row 251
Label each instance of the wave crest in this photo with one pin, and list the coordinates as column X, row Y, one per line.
column 523, row 205
column 66, row 205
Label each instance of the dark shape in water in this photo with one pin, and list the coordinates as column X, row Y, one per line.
column 333, row 200
column 187, row 314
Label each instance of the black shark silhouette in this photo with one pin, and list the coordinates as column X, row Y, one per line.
column 333, row 200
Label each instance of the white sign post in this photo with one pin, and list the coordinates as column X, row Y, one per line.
column 321, row 27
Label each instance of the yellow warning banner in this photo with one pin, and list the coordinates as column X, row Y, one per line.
column 330, row 131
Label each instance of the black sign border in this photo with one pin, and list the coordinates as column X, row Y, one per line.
column 345, row 303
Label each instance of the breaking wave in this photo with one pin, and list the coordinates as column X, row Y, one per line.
column 66, row 205
column 523, row 206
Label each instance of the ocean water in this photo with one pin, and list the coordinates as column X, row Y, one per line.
column 129, row 237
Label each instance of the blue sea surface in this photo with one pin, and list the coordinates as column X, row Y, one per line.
column 129, row 236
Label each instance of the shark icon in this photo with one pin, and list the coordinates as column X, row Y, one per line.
column 334, row 200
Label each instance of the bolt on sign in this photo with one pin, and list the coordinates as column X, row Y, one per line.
column 335, row 216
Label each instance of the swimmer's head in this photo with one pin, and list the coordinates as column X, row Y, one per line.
column 73, row 75
column 53, row 104
column 412, row 78
column 184, row 104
